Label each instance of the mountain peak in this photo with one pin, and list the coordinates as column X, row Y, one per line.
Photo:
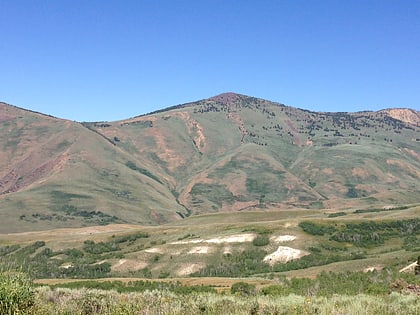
column 226, row 98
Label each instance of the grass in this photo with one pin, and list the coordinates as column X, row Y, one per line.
column 155, row 251
column 66, row 301
column 242, row 299
column 16, row 293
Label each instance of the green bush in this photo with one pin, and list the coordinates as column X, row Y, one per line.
column 315, row 228
column 16, row 293
column 243, row 288
column 261, row 240
column 91, row 247
column 337, row 214
column 276, row 290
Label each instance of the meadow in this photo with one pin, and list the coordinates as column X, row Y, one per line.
column 351, row 266
column 18, row 295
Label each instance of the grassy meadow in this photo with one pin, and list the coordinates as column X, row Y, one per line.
column 142, row 297
column 214, row 263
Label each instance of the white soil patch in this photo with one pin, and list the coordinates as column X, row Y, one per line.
column 238, row 238
column 227, row 250
column 196, row 241
column 282, row 238
column 128, row 264
column 200, row 250
column 100, row 262
column 284, row 254
column 189, row 269
column 155, row 250
column 66, row 265
column 409, row 268
column 372, row 268
column 120, row 262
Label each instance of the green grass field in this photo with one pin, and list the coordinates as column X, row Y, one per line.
column 223, row 245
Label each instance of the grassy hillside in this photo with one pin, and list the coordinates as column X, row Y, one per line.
column 58, row 173
column 234, row 152
column 223, row 154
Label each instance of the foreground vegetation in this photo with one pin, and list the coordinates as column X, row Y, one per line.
column 385, row 292
column 125, row 269
column 65, row 301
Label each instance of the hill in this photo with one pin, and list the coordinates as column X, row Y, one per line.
column 227, row 153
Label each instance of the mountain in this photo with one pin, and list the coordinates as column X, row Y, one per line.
column 230, row 152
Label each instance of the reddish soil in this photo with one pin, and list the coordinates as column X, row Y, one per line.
column 25, row 173
column 226, row 98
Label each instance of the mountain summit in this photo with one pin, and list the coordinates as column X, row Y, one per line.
column 230, row 152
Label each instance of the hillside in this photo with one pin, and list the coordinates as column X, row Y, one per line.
column 226, row 153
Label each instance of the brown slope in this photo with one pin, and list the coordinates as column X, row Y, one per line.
column 33, row 146
column 57, row 173
column 406, row 115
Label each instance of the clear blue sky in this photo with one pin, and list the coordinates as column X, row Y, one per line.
column 92, row 60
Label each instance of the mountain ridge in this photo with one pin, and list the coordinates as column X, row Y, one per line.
column 226, row 98
column 229, row 152
column 406, row 114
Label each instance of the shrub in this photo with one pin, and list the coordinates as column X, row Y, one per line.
column 337, row 214
column 276, row 290
column 16, row 293
column 98, row 248
column 315, row 228
column 243, row 288
column 261, row 240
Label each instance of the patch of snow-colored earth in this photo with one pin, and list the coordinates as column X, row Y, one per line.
column 238, row 238
column 66, row 265
column 189, row 269
column 409, row 268
column 372, row 268
column 282, row 238
column 154, row 250
column 128, row 264
column 227, row 250
column 200, row 250
column 284, row 254
column 196, row 241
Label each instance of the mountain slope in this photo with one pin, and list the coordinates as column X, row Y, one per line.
column 409, row 116
column 58, row 173
column 226, row 153
column 234, row 151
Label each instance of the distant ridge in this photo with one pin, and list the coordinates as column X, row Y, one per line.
column 230, row 152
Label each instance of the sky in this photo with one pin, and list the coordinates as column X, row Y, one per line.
column 104, row 60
